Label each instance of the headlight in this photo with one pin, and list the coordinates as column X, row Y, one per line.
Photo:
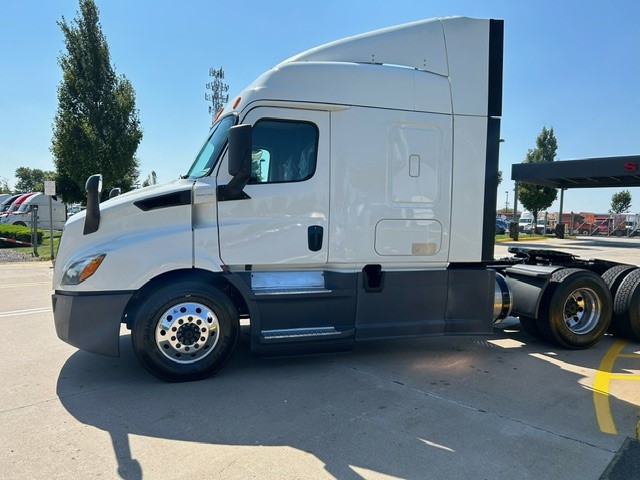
column 79, row 271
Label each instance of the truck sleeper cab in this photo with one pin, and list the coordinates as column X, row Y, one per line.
column 327, row 212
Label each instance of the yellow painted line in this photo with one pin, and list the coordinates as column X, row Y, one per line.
column 601, row 385
column 622, row 376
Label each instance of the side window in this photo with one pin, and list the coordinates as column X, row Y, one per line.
column 260, row 162
column 283, row 151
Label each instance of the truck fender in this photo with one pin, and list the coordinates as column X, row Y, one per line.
column 217, row 280
column 527, row 284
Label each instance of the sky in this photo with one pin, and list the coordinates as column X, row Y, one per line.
column 571, row 65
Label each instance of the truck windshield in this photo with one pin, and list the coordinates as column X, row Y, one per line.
column 210, row 151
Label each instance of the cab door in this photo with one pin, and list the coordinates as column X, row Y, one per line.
column 284, row 219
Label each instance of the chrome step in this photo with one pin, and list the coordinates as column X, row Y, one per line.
column 291, row 291
column 303, row 334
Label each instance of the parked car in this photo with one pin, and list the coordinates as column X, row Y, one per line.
column 15, row 205
column 525, row 224
column 542, row 228
column 51, row 213
column 6, row 203
column 539, row 228
column 74, row 208
column 502, row 227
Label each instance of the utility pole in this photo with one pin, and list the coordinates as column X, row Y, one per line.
column 514, row 232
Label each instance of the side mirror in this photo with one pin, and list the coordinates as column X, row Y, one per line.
column 92, row 220
column 239, row 149
column 114, row 192
column 239, row 164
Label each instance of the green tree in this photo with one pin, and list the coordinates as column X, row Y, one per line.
column 621, row 202
column 536, row 198
column 4, row 185
column 97, row 126
column 32, row 179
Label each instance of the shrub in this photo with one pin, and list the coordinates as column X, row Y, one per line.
column 18, row 233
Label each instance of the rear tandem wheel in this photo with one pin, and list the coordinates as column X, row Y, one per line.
column 613, row 278
column 576, row 308
column 626, row 306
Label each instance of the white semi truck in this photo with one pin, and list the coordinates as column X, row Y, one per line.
column 347, row 195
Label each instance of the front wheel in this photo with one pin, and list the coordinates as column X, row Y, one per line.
column 576, row 308
column 185, row 332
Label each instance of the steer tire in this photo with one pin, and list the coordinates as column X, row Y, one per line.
column 576, row 308
column 626, row 306
column 613, row 278
column 185, row 331
column 530, row 325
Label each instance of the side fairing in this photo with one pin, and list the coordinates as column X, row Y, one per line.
column 391, row 188
column 468, row 201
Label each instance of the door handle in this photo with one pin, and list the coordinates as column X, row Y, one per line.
column 314, row 237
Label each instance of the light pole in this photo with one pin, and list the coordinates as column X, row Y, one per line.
column 506, row 203
column 515, row 212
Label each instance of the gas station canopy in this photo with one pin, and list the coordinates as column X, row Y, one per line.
column 621, row 171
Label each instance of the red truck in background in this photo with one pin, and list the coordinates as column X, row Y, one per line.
column 587, row 223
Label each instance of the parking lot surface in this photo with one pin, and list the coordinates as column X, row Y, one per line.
column 500, row 407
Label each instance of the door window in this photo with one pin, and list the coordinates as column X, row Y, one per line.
column 283, row 151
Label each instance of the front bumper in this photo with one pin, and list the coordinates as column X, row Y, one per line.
column 90, row 321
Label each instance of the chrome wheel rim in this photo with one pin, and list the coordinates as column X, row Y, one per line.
column 187, row 332
column 582, row 311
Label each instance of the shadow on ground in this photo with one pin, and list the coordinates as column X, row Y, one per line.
column 398, row 408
